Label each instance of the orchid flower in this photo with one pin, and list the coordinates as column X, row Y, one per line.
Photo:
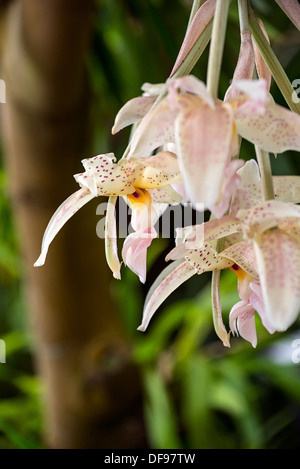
column 145, row 186
column 262, row 246
column 205, row 134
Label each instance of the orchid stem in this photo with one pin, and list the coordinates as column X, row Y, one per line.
column 244, row 16
column 217, row 47
column 263, row 159
column 274, row 65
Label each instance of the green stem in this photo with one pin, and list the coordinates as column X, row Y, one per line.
column 263, row 159
column 244, row 16
column 274, row 65
column 217, row 47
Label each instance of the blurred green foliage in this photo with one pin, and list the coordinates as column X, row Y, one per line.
column 198, row 394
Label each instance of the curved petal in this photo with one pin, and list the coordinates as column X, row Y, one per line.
column 217, row 310
column 203, row 137
column 242, row 322
column 155, row 129
column 111, row 246
column 278, row 265
column 275, row 131
column 176, row 274
column 134, row 252
column 132, row 112
column 65, row 211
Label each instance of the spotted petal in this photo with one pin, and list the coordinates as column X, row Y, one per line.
column 193, row 237
column 103, row 176
column 66, row 210
column 275, row 131
column 203, row 137
column 278, row 264
column 265, row 216
column 155, row 171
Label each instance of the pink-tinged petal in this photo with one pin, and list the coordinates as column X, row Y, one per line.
column 217, row 310
column 168, row 281
column 245, row 65
column 166, row 195
column 158, row 170
column 265, row 216
column 256, row 301
column 261, row 66
column 203, row 137
column 276, row 131
column 155, row 129
column 278, row 265
column 134, row 252
column 201, row 19
column 249, row 192
column 189, row 84
column 103, row 176
column 257, row 93
column 111, row 246
column 230, row 183
column 143, row 217
column 133, row 111
column 242, row 322
column 66, row 210
column 292, row 10
column 243, row 255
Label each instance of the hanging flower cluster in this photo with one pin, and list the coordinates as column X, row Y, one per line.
column 185, row 145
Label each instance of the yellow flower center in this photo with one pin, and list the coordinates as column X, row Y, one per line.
column 140, row 196
column 239, row 272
